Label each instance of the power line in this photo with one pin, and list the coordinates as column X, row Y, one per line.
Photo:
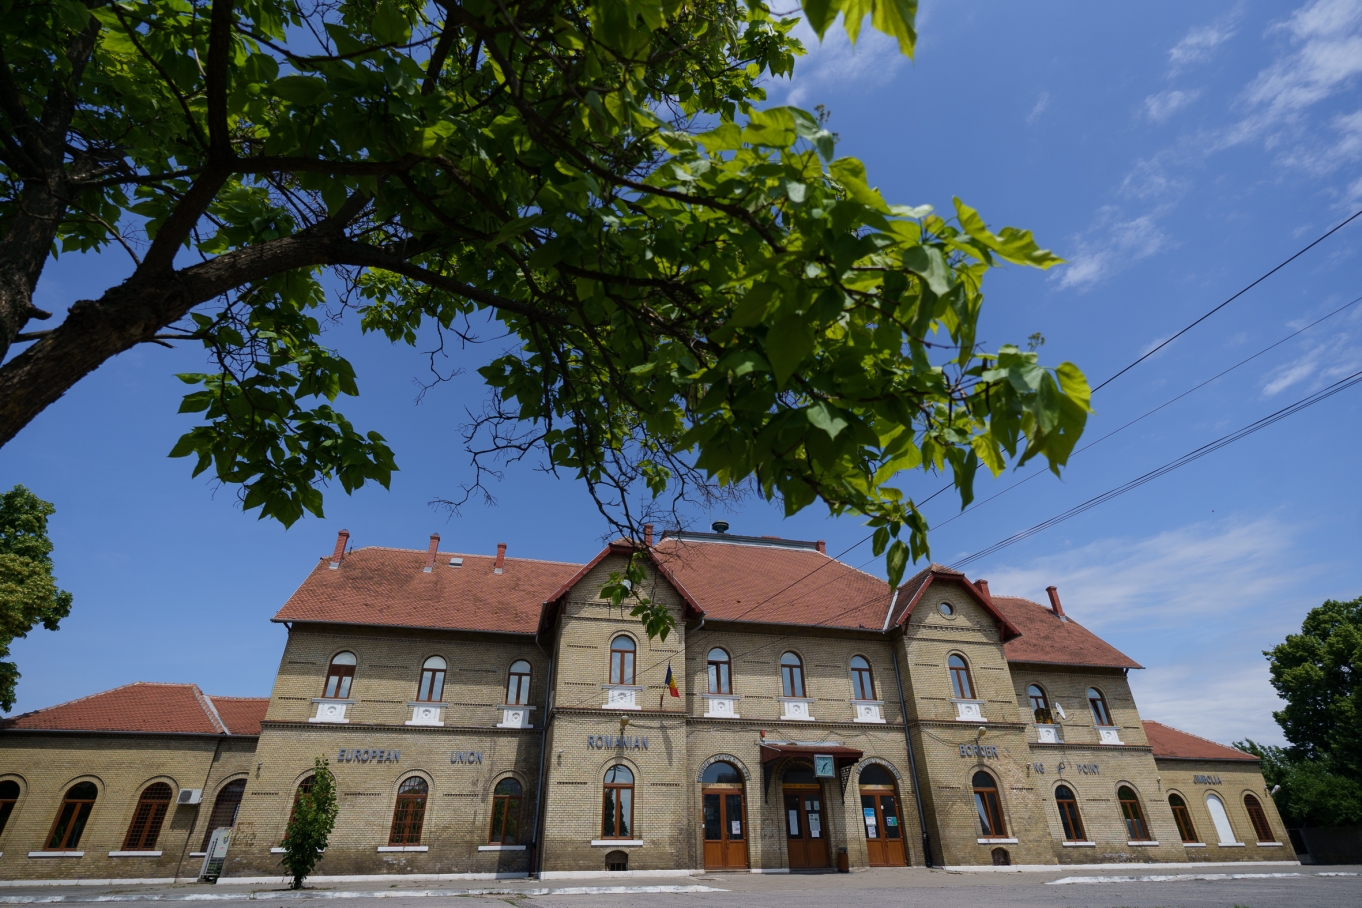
column 1269, row 274
column 1290, row 410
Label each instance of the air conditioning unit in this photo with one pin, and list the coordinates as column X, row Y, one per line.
column 190, row 796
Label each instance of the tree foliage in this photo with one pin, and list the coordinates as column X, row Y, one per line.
column 702, row 295
column 28, row 591
column 314, row 816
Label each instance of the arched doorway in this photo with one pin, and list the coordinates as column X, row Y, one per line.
column 880, row 814
column 806, row 833
column 725, row 817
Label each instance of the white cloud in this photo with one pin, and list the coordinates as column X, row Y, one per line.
column 1109, row 246
column 1166, row 103
column 1321, row 364
column 1042, row 103
column 1199, row 44
column 834, row 61
column 1233, row 702
column 1324, row 158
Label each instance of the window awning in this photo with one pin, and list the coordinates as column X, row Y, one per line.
column 843, row 755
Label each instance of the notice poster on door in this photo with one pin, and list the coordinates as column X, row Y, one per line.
column 871, row 827
column 815, row 826
column 891, row 821
column 794, row 823
column 737, row 828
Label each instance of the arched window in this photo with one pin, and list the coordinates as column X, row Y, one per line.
column 792, row 675
column 1223, row 830
column 518, row 684
column 1068, row 814
column 432, row 684
column 409, row 813
column 339, row 676
column 862, row 681
column 622, row 650
column 9, row 795
column 505, row 813
column 1136, row 827
column 72, row 817
column 961, row 683
column 989, row 807
column 224, row 809
column 721, row 774
column 1001, row 858
column 1040, row 705
column 147, row 818
column 1259, row 819
column 304, row 787
column 1100, row 714
column 1183, row 817
column 875, row 774
column 617, row 816
column 720, row 678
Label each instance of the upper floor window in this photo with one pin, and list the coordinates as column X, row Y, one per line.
column 432, row 686
column 617, row 815
column 409, row 813
column 339, row 676
column 792, row 675
column 72, row 817
column 862, row 681
column 505, row 813
column 1183, row 817
column 147, row 818
column 1136, row 827
column 990, row 809
column 518, row 684
column 720, row 678
column 1068, row 814
column 9, row 795
column 1101, row 715
column 622, row 650
column 1040, row 705
column 961, row 683
column 1259, row 819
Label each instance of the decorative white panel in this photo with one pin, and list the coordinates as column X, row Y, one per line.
column 515, row 717
column 868, row 711
column 796, row 708
column 621, row 698
column 425, row 713
column 969, row 710
column 1110, row 734
column 1048, row 734
column 331, row 711
column 721, row 707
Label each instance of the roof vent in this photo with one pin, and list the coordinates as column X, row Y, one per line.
column 719, row 526
column 1054, row 602
column 456, row 562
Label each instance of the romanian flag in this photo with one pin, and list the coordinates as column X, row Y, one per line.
column 671, row 682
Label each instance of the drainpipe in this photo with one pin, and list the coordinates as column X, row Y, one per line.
column 538, row 867
column 912, row 763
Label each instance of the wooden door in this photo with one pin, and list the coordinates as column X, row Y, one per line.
column 883, row 827
column 806, row 832
column 725, row 821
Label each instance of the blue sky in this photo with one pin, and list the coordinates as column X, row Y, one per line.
column 1170, row 152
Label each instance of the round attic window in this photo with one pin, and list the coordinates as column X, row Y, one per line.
column 947, row 610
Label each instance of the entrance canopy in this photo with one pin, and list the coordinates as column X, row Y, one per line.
column 845, row 756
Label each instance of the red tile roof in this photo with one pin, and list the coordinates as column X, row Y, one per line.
column 1048, row 640
column 147, row 708
column 1171, row 744
column 773, row 581
column 241, row 715
column 387, row 587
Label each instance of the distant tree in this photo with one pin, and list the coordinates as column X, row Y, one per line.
column 698, row 294
column 1313, row 792
column 28, row 591
column 314, row 816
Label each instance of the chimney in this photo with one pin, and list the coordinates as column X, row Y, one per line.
column 341, row 539
column 822, row 547
column 430, row 553
column 1054, row 602
column 648, row 535
column 982, row 585
column 501, row 557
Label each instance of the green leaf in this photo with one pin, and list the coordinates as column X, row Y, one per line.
column 1074, row 384
column 788, row 343
column 896, row 561
column 928, row 263
column 823, row 415
column 390, row 24
column 306, row 91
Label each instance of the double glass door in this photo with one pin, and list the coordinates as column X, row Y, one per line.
column 725, row 829
column 883, row 831
column 806, row 833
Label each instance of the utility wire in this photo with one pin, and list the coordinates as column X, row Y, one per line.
column 1269, row 274
column 1289, row 410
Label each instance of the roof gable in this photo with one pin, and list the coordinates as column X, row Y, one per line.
column 911, row 593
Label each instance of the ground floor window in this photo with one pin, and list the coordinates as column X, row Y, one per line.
column 989, row 807
column 9, row 796
column 617, row 814
column 1136, row 827
column 1068, row 814
column 147, row 818
column 505, row 813
column 1259, row 819
column 72, row 817
column 409, row 813
column 1183, row 817
column 224, row 809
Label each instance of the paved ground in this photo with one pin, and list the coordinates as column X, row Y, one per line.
column 1285, row 887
